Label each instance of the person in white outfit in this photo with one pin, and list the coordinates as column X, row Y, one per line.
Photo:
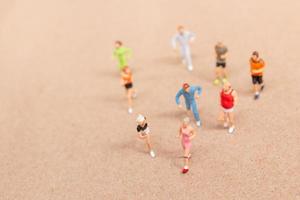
column 184, row 38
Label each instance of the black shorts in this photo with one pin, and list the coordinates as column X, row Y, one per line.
column 221, row 64
column 128, row 86
column 257, row 80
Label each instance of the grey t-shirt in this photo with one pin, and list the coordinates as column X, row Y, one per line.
column 221, row 50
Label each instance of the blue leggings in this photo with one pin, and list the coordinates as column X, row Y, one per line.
column 193, row 106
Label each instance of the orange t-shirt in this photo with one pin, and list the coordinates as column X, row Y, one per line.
column 127, row 77
column 257, row 65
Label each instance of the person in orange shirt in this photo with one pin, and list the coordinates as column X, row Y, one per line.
column 257, row 66
column 126, row 80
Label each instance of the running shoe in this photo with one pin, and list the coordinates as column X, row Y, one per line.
column 152, row 154
column 198, row 123
column 231, row 129
column 185, row 170
column 216, row 81
column 224, row 80
column 190, row 68
column 130, row 110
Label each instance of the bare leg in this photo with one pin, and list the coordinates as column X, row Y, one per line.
column 223, row 73
column 221, row 117
column 129, row 97
column 148, row 143
column 186, row 157
column 231, row 118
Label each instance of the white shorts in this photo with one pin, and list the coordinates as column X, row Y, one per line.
column 230, row 110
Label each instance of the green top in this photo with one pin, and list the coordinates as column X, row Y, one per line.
column 122, row 54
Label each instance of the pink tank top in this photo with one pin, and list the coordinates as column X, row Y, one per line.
column 185, row 134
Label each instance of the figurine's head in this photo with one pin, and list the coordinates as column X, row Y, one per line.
column 226, row 86
column 118, row 43
column 180, row 29
column 185, row 121
column 140, row 120
column 186, row 87
column 255, row 55
column 126, row 70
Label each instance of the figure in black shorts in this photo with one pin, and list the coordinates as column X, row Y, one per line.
column 221, row 53
column 257, row 66
column 126, row 80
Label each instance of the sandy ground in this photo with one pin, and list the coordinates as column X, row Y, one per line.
column 65, row 133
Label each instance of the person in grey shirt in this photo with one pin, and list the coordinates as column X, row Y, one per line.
column 221, row 53
column 183, row 38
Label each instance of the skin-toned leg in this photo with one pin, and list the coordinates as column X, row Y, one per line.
column 221, row 117
column 256, row 88
column 148, row 143
column 129, row 97
column 231, row 118
column 186, row 157
column 223, row 73
column 218, row 72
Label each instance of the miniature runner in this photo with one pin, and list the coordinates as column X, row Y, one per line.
column 221, row 52
column 144, row 132
column 190, row 96
column 186, row 134
column 257, row 68
column 183, row 38
column 122, row 54
column 127, row 81
column 228, row 98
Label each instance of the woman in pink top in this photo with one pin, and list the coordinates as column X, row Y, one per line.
column 186, row 134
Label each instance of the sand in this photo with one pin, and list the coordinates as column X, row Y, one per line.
column 65, row 133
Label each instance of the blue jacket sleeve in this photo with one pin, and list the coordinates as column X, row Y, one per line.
column 198, row 89
column 179, row 93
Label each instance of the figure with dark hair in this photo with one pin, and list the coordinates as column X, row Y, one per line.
column 122, row 54
column 221, row 53
column 127, row 82
column 257, row 66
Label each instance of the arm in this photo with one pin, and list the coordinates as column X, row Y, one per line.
column 178, row 95
column 174, row 41
column 193, row 133
column 198, row 89
column 114, row 56
column 128, row 53
column 192, row 36
column 235, row 97
column 142, row 136
column 179, row 132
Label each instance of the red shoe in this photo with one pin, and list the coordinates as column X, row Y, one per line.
column 185, row 170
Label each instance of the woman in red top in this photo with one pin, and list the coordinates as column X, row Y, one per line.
column 228, row 98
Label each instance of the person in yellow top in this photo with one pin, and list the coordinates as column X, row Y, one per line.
column 257, row 66
column 127, row 81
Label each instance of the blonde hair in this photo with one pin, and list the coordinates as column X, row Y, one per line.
column 186, row 120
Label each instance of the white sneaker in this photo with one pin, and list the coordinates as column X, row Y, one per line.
column 130, row 110
column 225, row 125
column 152, row 154
column 134, row 95
column 198, row 123
column 190, row 68
column 231, row 129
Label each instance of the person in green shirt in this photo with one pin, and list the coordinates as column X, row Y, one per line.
column 122, row 54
